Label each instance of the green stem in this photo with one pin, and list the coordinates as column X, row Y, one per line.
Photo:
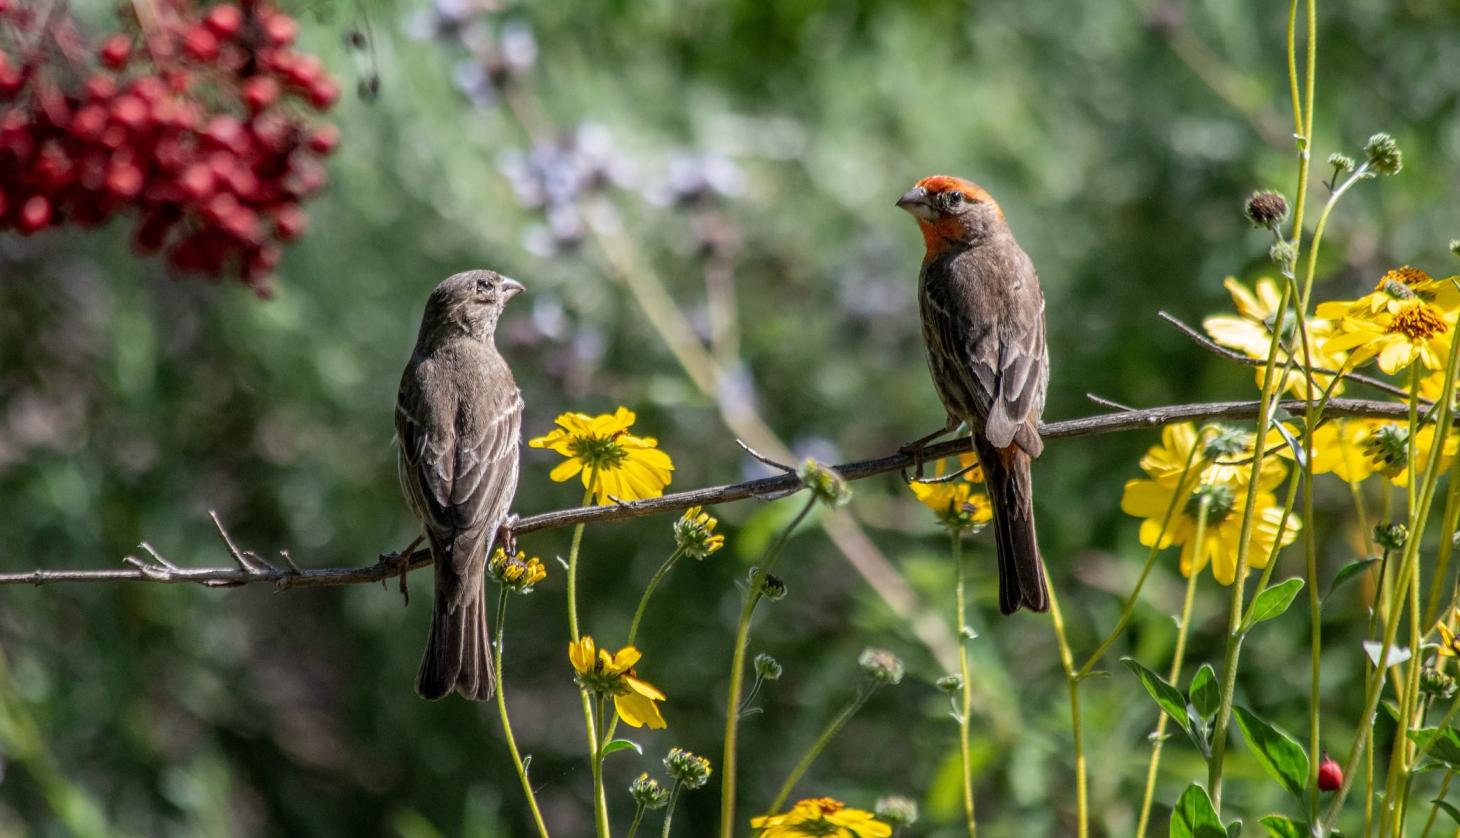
column 600, row 801
column 1159, row 739
column 658, row 577
column 832, row 729
column 573, row 561
column 1067, row 660
column 669, row 810
column 1435, row 808
column 1438, row 588
column 965, row 749
column 737, row 674
column 638, row 818
column 506, row 723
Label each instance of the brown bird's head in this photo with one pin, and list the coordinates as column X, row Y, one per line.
column 467, row 304
column 951, row 212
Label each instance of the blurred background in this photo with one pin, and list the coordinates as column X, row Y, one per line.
column 745, row 157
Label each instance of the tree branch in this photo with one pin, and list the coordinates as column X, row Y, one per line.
column 249, row 567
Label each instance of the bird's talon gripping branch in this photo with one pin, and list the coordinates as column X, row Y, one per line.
column 946, row 478
column 507, row 535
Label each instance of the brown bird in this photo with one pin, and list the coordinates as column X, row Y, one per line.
column 458, row 419
column 983, row 321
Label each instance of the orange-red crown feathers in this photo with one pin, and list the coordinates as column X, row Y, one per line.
column 941, row 231
column 947, row 183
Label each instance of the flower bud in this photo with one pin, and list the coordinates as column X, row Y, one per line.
column 1455, row 247
column 1391, row 536
column 517, row 573
column 687, row 769
column 648, row 793
column 772, row 587
column 1384, row 155
column 1284, row 255
column 1436, row 684
column 825, row 484
column 1330, row 775
column 694, row 533
column 896, row 810
column 950, row 684
column 767, row 668
column 1341, row 162
column 882, row 666
column 1266, row 209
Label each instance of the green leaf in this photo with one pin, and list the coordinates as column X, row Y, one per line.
column 1446, row 748
column 1234, row 829
column 1448, row 809
column 1282, row 827
column 621, row 745
column 1271, row 603
column 1278, row 752
column 1350, row 571
column 1299, row 454
column 1194, row 816
column 1203, row 692
column 1168, row 697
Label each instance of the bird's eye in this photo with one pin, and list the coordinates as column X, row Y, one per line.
column 955, row 199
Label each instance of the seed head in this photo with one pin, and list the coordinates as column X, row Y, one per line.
column 1384, row 155
column 882, row 666
column 1266, row 209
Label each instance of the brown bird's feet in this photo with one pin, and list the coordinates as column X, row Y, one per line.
column 916, row 447
column 400, row 565
column 507, row 535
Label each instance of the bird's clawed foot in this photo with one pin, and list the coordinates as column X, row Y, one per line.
column 917, row 446
column 507, row 535
column 400, row 565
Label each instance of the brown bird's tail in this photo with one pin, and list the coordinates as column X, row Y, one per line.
column 1021, row 571
column 459, row 649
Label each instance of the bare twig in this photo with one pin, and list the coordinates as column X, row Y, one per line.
column 1206, row 343
column 388, row 565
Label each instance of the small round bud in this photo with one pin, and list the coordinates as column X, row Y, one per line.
column 1330, row 775
column 694, row 533
column 825, row 484
column 687, row 769
column 648, row 793
column 1283, row 254
column 767, row 668
column 1436, row 684
column 1341, row 162
column 881, row 666
column 1455, row 247
column 950, row 684
column 1266, row 209
column 896, row 810
column 1384, row 154
column 1391, row 536
column 772, row 587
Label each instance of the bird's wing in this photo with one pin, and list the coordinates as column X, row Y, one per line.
column 486, row 462
column 1023, row 376
column 425, row 430
column 962, row 349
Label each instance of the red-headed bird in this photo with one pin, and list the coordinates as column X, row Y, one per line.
column 983, row 321
column 458, row 420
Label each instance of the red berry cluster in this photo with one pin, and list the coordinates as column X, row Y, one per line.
column 198, row 124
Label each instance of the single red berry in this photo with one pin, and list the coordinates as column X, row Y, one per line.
column 324, row 93
column 115, row 51
column 11, row 80
column 35, row 214
column 224, row 132
column 225, row 20
column 197, row 181
column 101, row 88
column 130, row 111
column 89, row 122
column 124, row 180
column 290, row 222
column 54, row 168
column 280, row 28
column 324, row 139
column 259, row 92
column 219, row 207
column 201, row 43
column 149, row 88
column 1330, row 775
column 242, row 224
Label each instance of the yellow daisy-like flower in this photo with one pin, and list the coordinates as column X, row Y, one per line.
column 1399, row 285
column 1223, row 487
column 959, row 504
column 1449, row 645
column 694, row 533
column 1432, row 386
column 821, row 816
column 1387, row 448
column 1416, row 331
column 1339, row 449
column 598, row 671
column 613, row 462
column 518, row 573
column 1250, row 332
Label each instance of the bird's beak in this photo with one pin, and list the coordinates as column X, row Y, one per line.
column 511, row 287
column 916, row 203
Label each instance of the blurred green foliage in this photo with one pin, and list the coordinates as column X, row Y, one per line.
column 1120, row 139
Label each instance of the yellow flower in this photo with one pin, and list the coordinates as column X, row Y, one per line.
column 694, row 533
column 1222, row 485
column 959, row 504
column 1339, row 448
column 1449, row 646
column 605, row 674
column 821, row 816
column 518, row 572
column 1387, row 449
column 1399, row 285
column 1432, row 386
column 1250, row 332
column 1416, row 330
column 614, row 463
